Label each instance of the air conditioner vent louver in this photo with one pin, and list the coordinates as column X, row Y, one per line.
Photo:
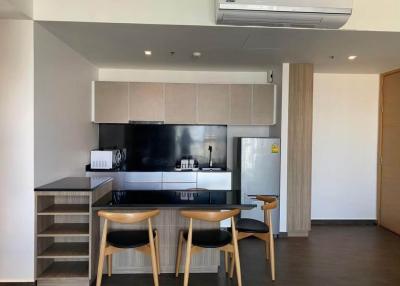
column 276, row 13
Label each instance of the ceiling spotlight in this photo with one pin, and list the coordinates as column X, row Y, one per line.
column 147, row 53
column 196, row 54
column 352, row 58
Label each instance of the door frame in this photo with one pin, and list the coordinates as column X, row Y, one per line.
column 380, row 140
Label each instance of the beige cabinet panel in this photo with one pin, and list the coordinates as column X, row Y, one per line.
column 146, row 101
column 180, row 103
column 213, row 103
column 240, row 111
column 263, row 106
column 111, row 102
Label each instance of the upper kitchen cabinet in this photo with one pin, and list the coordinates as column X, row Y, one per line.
column 110, row 102
column 213, row 104
column 240, row 111
column 180, row 103
column 146, row 101
column 263, row 105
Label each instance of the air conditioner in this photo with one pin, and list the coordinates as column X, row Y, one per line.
column 324, row 14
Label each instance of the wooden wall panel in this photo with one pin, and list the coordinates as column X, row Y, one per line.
column 299, row 149
column 389, row 169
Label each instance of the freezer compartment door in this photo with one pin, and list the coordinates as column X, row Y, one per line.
column 260, row 166
column 258, row 214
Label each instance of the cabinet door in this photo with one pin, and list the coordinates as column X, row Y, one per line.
column 213, row 103
column 146, row 101
column 240, row 111
column 263, row 106
column 180, row 103
column 110, row 102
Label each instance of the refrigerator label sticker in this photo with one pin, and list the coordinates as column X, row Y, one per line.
column 275, row 148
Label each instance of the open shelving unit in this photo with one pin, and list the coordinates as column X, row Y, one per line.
column 64, row 226
column 67, row 236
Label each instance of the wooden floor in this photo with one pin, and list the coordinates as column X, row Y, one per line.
column 332, row 256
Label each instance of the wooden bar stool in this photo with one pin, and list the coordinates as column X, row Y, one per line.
column 146, row 241
column 262, row 230
column 196, row 240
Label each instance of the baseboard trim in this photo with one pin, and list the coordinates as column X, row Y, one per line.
column 343, row 222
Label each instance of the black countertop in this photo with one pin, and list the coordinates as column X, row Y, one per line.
column 128, row 200
column 74, row 184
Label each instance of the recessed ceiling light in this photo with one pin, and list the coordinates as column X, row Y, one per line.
column 352, row 58
column 196, row 54
column 147, row 53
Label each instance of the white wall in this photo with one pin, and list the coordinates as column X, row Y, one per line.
column 367, row 15
column 16, row 151
column 345, row 136
column 64, row 134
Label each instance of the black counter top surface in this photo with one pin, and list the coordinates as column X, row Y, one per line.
column 130, row 200
column 74, row 184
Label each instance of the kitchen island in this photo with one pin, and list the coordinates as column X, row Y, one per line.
column 168, row 224
column 68, row 253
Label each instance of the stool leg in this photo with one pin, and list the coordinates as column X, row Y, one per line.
column 158, row 252
column 188, row 255
column 236, row 256
column 179, row 254
column 232, row 265
column 101, row 254
column 272, row 255
column 267, row 246
column 226, row 261
column 109, row 264
column 153, row 254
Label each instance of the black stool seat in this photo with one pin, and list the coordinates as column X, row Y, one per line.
column 128, row 238
column 251, row 225
column 211, row 238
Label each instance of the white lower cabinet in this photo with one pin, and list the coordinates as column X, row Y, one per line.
column 143, row 181
column 214, row 180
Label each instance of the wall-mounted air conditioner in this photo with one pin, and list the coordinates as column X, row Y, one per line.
column 323, row 14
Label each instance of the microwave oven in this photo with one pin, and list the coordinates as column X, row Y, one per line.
column 105, row 159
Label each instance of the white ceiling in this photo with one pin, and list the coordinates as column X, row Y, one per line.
column 228, row 48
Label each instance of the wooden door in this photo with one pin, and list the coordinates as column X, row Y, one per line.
column 389, row 194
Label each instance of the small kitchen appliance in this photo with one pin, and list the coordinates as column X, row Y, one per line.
column 105, row 159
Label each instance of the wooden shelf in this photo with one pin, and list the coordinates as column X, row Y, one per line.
column 66, row 229
column 66, row 250
column 70, row 269
column 66, row 209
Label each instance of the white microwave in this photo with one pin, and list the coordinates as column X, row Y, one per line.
column 105, row 159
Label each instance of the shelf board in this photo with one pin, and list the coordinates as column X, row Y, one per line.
column 66, row 229
column 66, row 250
column 66, row 209
column 70, row 269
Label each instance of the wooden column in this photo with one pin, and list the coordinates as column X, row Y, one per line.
column 299, row 149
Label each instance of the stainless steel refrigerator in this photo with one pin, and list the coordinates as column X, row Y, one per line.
column 259, row 163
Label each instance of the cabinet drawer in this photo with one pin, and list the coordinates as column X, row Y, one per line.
column 142, row 186
column 178, row 186
column 143, row 177
column 179, row 177
column 214, row 181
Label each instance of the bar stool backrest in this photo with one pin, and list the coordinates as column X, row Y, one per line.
column 128, row 218
column 210, row 215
